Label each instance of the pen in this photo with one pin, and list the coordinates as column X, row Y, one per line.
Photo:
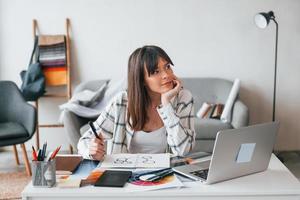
column 39, row 155
column 94, row 130
column 34, row 154
column 49, row 155
column 152, row 174
column 160, row 176
column 155, row 172
column 54, row 153
column 44, row 151
column 155, row 175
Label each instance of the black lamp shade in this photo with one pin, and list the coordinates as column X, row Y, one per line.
column 262, row 19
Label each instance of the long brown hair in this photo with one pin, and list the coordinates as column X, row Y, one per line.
column 138, row 97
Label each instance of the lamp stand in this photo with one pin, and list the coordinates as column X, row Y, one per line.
column 275, row 70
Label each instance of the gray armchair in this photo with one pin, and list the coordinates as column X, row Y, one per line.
column 74, row 125
column 212, row 90
column 17, row 119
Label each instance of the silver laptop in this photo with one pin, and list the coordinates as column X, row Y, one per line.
column 237, row 152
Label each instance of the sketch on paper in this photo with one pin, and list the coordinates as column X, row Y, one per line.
column 136, row 161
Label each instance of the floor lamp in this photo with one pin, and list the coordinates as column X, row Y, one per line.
column 262, row 21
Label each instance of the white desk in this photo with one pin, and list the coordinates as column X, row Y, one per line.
column 275, row 183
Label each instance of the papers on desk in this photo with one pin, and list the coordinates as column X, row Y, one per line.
column 139, row 164
column 88, row 173
column 136, row 161
column 135, row 184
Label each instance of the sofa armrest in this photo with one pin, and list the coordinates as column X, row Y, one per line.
column 27, row 117
column 240, row 115
column 20, row 111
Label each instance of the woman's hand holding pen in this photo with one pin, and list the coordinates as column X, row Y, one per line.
column 97, row 148
column 167, row 96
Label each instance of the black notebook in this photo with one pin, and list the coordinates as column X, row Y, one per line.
column 112, row 178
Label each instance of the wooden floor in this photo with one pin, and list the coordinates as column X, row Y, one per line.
column 8, row 163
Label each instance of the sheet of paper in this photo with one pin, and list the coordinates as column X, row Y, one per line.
column 153, row 160
column 119, row 161
column 136, row 161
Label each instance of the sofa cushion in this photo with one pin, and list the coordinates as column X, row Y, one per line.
column 208, row 128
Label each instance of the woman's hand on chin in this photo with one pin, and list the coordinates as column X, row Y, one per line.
column 167, row 96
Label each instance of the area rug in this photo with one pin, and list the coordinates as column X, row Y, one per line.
column 12, row 184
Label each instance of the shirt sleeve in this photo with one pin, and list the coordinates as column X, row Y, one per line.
column 179, row 122
column 104, row 125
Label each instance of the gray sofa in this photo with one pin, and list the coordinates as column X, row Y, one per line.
column 213, row 90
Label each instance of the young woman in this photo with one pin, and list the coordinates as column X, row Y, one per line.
column 154, row 115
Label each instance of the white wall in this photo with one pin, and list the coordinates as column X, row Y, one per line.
column 203, row 37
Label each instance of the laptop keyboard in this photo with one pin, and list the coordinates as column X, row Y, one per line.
column 201, row 173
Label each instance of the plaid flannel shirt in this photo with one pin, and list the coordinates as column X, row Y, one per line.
column 177, row 116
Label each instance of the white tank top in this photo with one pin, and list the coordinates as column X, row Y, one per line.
column 149, row 142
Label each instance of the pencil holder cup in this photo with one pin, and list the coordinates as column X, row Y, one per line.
column 43, row 173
